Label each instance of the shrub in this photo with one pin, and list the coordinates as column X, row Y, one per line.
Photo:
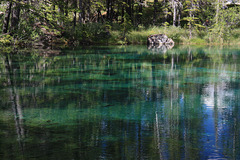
column 89, row 33
column 6, row 39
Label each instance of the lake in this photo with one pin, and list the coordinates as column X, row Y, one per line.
column 120, row 102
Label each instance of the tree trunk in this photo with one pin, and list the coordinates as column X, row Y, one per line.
column 190, row 23
column 108, row 9
column 179, row 19
column 100, row 16
column 217, row 11
column 155, row 12
column 165, row 10
column 129, row 8
column 174, row 12
column 7, row 17
column 74, row 13
column 140, row 11
column 81, row 17
column 15, row 17
column 132, row 11
column 88, row 10
column 123, row 12
column 44, row 10
column 111, row 11
column 54, row 10
column 61, row 12
column 66, row 8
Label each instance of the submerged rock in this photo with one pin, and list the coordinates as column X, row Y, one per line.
column 160, row 41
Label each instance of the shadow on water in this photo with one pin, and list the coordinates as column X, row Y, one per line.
column 116, row 102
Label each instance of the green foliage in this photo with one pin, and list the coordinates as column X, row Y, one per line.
column 26, row 30
column 126, row 26
column 89, row 33
column 227, row 20
column 6, row 40
column 236, row 35
column 121, row 22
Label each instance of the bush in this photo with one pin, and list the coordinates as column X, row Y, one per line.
column 90, row 33
column 6, row 39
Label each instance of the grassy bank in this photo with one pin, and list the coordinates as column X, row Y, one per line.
column 181, row 36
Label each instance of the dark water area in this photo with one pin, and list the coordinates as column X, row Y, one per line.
column 116, row 102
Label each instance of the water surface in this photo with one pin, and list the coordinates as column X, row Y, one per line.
column 120, row 103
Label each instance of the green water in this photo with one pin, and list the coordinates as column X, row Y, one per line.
column 120, row 103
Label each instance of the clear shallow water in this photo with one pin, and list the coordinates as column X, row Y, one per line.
column 120, row 103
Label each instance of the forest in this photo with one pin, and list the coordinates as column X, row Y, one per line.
column 84, row 22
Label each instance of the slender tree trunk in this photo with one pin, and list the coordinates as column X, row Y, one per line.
column 165, row 10
column 66, row 7
column 88, row 11
column 179, row 19
column 123, row 12
column 132, row 12
column 190, row 23
column 109, row 5
column 7, row 17
column 45, row 13
column 15, row 16
column 129, row 8
column 130, row 2
column 61, row 12
column 108, row 9
column 180, row 7
column 174, row 12
column 80, row 18
column 100, row 16
column 140, row 11
column 217, row 11
column 54, row 10
column 111, row 11
column 74, row 13
column 74, row 19
column 155, row 11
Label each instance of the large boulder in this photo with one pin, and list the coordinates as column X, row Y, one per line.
column 158, row 40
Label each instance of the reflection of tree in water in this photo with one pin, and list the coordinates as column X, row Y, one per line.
column 14, row 99
column 171, row 128
column 12, row 67
column 223, row 99
column 159, row 97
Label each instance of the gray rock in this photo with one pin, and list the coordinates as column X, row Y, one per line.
column 159, row 40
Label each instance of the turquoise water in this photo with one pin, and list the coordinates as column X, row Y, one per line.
column 116, row 102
